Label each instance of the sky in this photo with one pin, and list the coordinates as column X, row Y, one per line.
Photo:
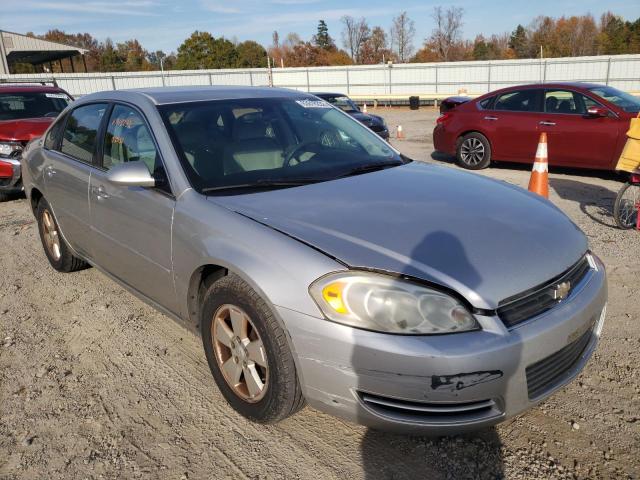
column 164, row 24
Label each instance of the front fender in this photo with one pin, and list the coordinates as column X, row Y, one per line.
column 276, row 266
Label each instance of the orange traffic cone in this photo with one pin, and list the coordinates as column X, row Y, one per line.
column 399, row 133
column 539, row 182
column 364, row 109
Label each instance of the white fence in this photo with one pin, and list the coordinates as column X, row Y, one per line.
column 427, row 80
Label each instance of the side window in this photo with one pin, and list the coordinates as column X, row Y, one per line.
column 52, row 140
column 486, row 103
column 128, row 139
column 563, row 101
column 81, row 132
column 518, row 101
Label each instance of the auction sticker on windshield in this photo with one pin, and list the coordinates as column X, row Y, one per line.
column 313, row 103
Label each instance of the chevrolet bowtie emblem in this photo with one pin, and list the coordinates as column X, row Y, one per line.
column 561, row 291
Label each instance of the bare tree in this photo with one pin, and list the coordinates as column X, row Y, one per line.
column 276, row 39
column 448, row 30
column 354, row 34
column 402, row 33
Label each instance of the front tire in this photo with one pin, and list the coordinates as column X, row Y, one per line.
column 56, row 249
column 247, row 352
column 473, row 151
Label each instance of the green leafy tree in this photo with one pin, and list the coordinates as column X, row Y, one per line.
column 519, row 42
column 110, row 59
column 133, row 56
column 251, row 54
column 322, row 39
column 201, row 50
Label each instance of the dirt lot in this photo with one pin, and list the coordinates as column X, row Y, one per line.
column 95, row 384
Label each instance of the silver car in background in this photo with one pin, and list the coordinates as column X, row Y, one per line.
column 317, row 263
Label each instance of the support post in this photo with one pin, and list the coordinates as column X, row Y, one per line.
column 608, row 71
column 113, row 82
column 73, row 70
column 61, row 66
column 84, row 62
column 346, row 69
column 308, row 84
column 489, row 78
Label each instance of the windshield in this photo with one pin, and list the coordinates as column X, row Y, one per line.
column 271, row 142
column 16, row 106
column 621, row 99
column 343, row 103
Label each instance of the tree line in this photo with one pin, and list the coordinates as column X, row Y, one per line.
column 363, row 44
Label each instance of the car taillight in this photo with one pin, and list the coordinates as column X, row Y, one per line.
column 443, row 118
column 6, row 169
column 635, row 177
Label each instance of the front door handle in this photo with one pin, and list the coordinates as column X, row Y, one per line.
column 548, row 124
column 491, row 118
column 100, row 193
column 50, row 172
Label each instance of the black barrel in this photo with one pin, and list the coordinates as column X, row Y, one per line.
column 414, row 103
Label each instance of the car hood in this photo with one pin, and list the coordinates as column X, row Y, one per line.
column 24, row 130
column 485, row 239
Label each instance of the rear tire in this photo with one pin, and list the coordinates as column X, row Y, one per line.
column 624, row 210
column 473, row 151
column 4, row 196
column 55, row 248
column 230, row 302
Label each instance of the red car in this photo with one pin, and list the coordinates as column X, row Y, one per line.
column 585, row 124
column 26, row 111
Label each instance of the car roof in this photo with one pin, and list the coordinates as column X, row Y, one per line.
column 168, row 95
column 575, row 85
column 328, row 94
column 15, row 88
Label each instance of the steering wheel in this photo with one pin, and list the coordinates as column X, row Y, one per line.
column 308, row 147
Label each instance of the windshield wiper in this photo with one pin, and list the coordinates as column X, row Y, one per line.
column 370, row 167
column 263, row 183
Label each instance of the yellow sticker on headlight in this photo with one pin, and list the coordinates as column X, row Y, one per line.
column 332, row 294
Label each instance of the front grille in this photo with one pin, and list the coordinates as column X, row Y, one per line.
column 432, row 413
column 549, row 372
column 538, row 300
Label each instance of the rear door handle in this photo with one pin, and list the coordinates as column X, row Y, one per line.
column 547, row 124
column 489, row 117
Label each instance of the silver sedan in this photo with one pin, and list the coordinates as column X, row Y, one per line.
column 318, row 264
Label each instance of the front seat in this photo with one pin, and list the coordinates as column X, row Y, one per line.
column 253, row 147
column 202, row 148
column 551, row 104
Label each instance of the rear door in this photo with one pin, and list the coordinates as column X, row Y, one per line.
column 512, row 124
column 574, row 138
column 131, row 226
column 69, row 163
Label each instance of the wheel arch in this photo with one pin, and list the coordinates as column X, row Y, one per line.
column 201, row 279
column 34, row 198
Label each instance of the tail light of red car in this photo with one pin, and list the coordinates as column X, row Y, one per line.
column 443, row 118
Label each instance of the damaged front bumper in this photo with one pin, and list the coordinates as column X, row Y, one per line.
column 446, row 384
column 10, row 175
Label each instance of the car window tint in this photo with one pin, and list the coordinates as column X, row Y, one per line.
column 563, row 101
column 52, row 140
column 486, row 103
column 128, row 139
column 80, row 134
column 518, row 101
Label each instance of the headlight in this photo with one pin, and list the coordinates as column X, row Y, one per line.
column 9, row 149
column 386, row 304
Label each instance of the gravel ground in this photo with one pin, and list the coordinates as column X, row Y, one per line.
column 95, row 384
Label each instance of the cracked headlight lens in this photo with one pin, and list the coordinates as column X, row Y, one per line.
column 386, row 304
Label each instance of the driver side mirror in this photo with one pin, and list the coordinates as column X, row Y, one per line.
column 596, row 112
column 131, row 174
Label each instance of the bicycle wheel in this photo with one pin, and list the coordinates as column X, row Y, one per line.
column 625, row 210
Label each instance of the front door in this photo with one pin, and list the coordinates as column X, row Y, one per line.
column 131, row 226
column 574, row 138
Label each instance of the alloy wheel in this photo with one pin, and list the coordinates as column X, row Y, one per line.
column 240, row 353
column 472, row 152
column 51, row 236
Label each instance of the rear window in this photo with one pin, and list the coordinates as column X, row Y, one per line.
column 486, row 103
column 16, row 106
